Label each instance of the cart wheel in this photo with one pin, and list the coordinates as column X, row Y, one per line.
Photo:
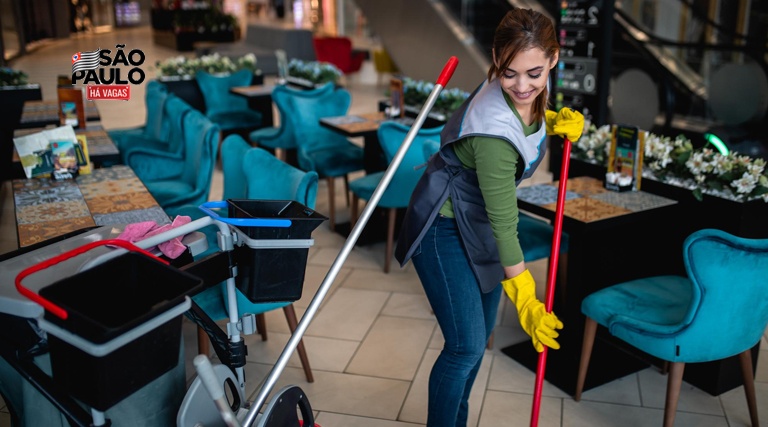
column 281, row 411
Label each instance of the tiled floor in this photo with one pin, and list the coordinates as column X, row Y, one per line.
column 374, row 339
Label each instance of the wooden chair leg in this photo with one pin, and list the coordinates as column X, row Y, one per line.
column 203, row 343
column 331, row 199
column 353, row 211
column 346, row 188
column 489, row 344
column 290, row 315
column 590, row 329
column 674, row 382
column 392, row 214
column 745, row 358
column 261, row 325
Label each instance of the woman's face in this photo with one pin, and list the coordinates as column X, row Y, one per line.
column 526, row 77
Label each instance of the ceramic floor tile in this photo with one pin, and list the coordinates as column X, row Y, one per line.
column 340, row 420
column 393, row 348
column 625, row 391
column 594, row 414
column 408, row 305
column 352, row 394
column 348, row 314
column 398, row 280
column 324, row 354
column 508, row 375
column 691, row 399
column 735, row 405
column 514, row 410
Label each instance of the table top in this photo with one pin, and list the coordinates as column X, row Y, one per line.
column 359, row 124
column 108, row 196
column 253, row 90
column 47, row 112
column 588, row 201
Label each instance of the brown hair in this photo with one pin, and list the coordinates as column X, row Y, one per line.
column 518, row 31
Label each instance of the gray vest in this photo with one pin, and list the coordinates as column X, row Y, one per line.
column 484, row 113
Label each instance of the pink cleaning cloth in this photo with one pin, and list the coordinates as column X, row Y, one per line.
column 142, row 230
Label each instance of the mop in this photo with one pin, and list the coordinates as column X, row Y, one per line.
column 541, row 365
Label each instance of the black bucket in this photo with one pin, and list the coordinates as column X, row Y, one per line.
column 107, row 305
column 273, row 274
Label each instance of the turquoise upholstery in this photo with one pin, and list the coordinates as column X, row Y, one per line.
column 322, row 150
column 251, row 173
column 398, row 193
column 718, row 310
column 227, row 110
column 154, row 100
column 175, row 180
column 171, row 133
column 282, row 137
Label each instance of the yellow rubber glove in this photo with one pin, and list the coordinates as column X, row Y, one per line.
column 536, row 322
column 567, row 122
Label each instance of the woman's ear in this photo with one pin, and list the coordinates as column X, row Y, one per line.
column 555, row 57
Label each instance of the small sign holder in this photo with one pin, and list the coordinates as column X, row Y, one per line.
column 625, row 162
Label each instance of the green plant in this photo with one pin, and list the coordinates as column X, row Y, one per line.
column 11, row 77
column 416, row 92
column 182, row 66
column 677, row 162
column 315, row 72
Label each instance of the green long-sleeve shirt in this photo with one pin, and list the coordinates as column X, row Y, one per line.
column 496, row 163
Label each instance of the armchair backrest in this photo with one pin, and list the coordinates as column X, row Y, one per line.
column 254, row 173
column 233, row 150
column 272, row 179
column 304, row 108
column 154, row 100
column 391, row 136
column 337, row 50
column 175, row 110
column 201, row 142
column 281, row 96
column 729, row 306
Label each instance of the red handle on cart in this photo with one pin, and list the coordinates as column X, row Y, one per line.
column 448, row 70
column 53, row 308
column 551, row 275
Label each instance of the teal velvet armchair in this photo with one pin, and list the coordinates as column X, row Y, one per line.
column 175, row 180
column 718, row 310
column 229, row 111
column 281, row 138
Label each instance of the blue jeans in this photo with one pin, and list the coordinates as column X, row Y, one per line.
column 466, row 317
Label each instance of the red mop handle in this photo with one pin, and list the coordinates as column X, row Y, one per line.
column 48, row 305
column 551, row 276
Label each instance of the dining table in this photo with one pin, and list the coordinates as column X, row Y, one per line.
column 612, row 237
column 42, row 113
column 46, row 209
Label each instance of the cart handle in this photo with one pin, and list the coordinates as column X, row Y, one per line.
column 243, row 222
column 48, row 305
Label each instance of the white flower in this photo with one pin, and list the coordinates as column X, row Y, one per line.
column 745, row 184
